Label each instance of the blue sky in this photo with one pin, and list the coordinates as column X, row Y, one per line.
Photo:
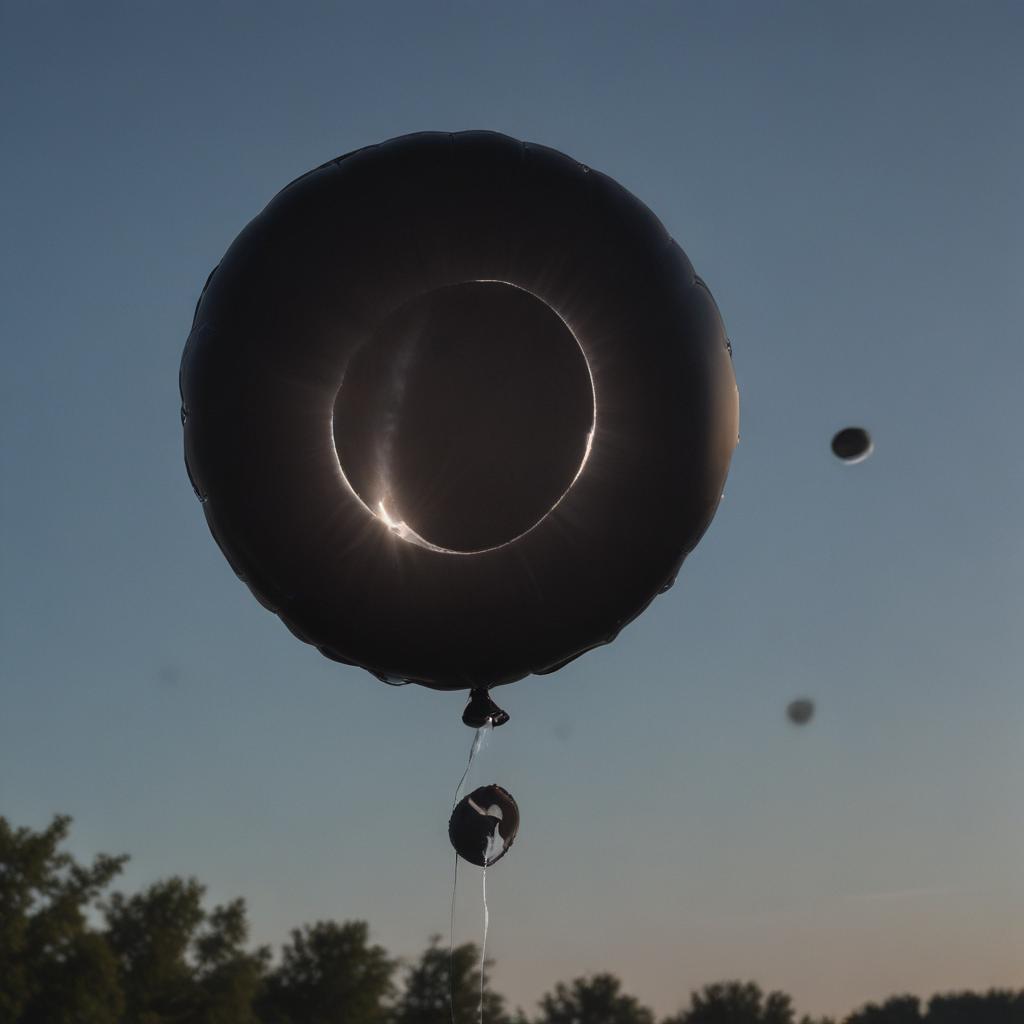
column 847, row 178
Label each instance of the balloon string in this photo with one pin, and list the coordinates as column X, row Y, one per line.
column 483, row 945
column 451, row 944
column 478, row 742
column 477, row 745
column 495, row 844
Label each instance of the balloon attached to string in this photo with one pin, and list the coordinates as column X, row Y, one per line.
column 481, row 829
column 457, row 408
column 484, row 825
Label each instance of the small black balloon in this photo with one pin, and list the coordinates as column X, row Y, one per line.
column 475, row 820
column 801, row 711
column 852, row 444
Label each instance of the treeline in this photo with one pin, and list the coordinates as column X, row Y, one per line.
column 73, row 953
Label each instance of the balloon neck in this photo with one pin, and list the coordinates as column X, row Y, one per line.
column 481, row 709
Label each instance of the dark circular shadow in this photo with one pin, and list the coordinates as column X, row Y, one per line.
column 466, row 416
column 800, row 711
column 852, row 444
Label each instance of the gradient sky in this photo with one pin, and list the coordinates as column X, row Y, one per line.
column 848, row 180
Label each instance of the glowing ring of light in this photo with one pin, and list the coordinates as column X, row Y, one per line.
column 331, row 256
column 404, row 532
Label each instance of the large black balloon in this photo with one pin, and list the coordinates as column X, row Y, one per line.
column 457, row 407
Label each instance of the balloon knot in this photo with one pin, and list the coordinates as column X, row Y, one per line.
column 481, row 709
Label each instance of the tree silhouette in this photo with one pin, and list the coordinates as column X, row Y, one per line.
column 997, row 1006
column 227, row 977
column 79, row 985
column 161, row 958
column 735, row 1002
column 436, row 989
column 151, row 933
column 993, row 1007
column 179, row 963
column 593, row 1000
column 52, row 967
column 897, row 1010
column 329, row 974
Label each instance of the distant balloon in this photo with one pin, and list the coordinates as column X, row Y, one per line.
column 801, row 711
column 852, row 444
column 483, row 825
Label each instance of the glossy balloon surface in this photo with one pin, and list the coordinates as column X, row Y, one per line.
column 484, row 825
column 457, row 408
